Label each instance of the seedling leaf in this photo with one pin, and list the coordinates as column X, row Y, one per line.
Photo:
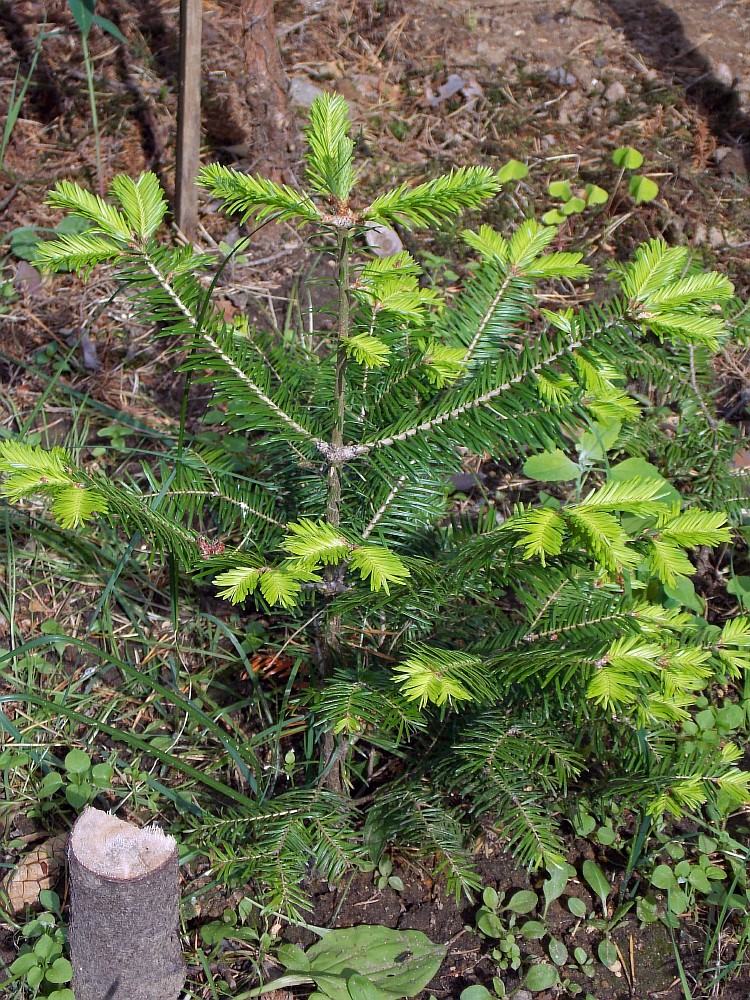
column 522, row 902
column 573, row 206
column 596, row 879
column 607, row 953
column 663, row 877
column 551, row 467
column 513, row 170
column 642, row 189
column 561, row 190
column 557, row 951
column 533, row 930
column 541, row 977
column 77, row 762
column 577, row 907
column 627, row 158
column 596, row 195
column 476, row 992
column 554, row 886
column 553, row 218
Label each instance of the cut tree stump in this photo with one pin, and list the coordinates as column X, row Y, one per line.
column 251, row 117
column 124, row 930
column 271, row 138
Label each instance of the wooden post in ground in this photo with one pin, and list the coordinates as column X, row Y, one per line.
column 188, row 118
column 125, row 904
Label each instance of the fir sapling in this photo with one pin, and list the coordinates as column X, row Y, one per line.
column 502, row 659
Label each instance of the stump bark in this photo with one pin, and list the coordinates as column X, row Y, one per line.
column 252, row 117
column 124, row 931
column 272, row 136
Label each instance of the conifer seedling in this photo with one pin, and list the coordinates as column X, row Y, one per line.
column 500, row 657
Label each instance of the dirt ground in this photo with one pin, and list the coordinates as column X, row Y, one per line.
column 432, row 84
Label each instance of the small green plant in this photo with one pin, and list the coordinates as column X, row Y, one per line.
column 235, row 925
column 574, row 199
column 24, row 241
column 438, row 270
column 501, row 657
column 48, row 354
column 640, row 188
column 8, row 294
column 85, row 17
column 41, row 964
column 116, row 435
column 600, row 886
column 359, row 963
column 497, row 918
column 683, row 879
column 383, row 875
column 585, row 962
column 712, row 724
column 81, row 780
column 554, row 886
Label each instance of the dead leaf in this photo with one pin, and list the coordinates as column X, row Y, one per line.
column 470, row 89
column 472, row 92
column 88, row 351
column 452, row 86
column 28, row 280
column 384, row 241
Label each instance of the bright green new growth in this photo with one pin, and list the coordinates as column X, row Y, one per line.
column 501, row 656
column 329, row 161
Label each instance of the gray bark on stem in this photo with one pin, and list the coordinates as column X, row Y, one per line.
column 124, row 931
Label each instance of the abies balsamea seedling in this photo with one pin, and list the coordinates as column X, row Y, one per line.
column 498, row 664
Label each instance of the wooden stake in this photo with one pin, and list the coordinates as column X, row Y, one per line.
column 188, row 118
column 125, row 901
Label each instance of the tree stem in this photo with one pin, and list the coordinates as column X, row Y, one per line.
column 332, row 635
column 333, row 514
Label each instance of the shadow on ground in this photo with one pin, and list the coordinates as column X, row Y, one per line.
column 44, row 94
column 656, row 32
